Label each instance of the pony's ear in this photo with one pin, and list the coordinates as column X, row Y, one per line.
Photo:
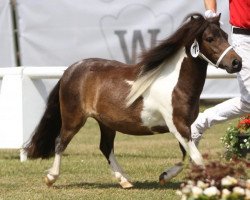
column 224, row 34
column 217, row 18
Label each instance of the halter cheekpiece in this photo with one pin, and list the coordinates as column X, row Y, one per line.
column 195, row 52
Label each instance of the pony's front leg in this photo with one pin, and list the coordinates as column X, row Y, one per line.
column 54, row 171
column 168, row 174
column 188, row 147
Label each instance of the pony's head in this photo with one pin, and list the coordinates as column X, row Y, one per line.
column 196, row 31
column 204, row 42
column 212, row 44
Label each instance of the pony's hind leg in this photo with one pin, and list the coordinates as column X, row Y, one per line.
column 54, row 171
column 107, row 148
column 62, row 142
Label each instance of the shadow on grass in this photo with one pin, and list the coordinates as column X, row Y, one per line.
column 123, row 155
column 145, row 185
column 156, row 185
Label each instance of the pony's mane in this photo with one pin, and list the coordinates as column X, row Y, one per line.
column 152, row 60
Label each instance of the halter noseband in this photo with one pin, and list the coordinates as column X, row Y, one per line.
column 195, row 52
column 220, row 58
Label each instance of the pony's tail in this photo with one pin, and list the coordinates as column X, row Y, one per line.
column 42, row 143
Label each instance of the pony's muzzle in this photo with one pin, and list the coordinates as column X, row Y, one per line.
column 233, row 65
column 236, row 65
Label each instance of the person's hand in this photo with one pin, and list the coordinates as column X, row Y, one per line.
column 210, row 14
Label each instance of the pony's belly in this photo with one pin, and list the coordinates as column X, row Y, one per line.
column 159, row 129
column 152, row 119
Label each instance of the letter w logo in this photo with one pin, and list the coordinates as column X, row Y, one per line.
column 137, row 41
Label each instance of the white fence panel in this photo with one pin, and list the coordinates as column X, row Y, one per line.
column 23, row 97
column 60, row 32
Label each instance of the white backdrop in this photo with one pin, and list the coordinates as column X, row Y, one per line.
column 7, row 55
column 60, row 32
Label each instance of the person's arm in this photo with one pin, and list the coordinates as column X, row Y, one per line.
column 211, row 8
column 211, row 5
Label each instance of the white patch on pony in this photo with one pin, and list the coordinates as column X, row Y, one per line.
column 195, row 154
column 129, row 82
column 56, row 165
column 51, row 177
column 117, row 170
column 157, row 99
column 173, row 171
column 54, row 171
column 142, row 84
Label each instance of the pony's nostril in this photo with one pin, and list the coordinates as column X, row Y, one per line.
column 236, row 63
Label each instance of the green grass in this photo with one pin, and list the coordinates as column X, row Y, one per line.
column 85, row 173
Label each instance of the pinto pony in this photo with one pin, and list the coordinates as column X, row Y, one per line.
column 159, row 94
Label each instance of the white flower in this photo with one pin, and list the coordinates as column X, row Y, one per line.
column 225, row 193
column 179, row 193
column 239, row 190
column 184, row 197
column 248, row 183
column 228, row 181
column 202, row 185
column 190, row 182
column 186, row 190
column 247, row 192
column 196, row 191
column 211, row 191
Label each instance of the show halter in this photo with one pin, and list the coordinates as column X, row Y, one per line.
column 195, row 52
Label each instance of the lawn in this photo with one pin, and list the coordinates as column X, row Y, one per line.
column 85, row 173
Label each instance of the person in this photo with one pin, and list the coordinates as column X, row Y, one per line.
column 239, row 11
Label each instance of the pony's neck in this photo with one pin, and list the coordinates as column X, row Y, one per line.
column 192, row 74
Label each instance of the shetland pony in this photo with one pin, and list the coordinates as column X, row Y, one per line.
column 157, row 95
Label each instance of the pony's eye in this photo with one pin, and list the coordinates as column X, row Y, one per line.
column 210, row 39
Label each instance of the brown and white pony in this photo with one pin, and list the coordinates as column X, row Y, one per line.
column 159, row 94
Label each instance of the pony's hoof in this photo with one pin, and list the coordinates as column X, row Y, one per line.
column 162, row 178
column 48, row 181
column 126, row 185
column 162, row 182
